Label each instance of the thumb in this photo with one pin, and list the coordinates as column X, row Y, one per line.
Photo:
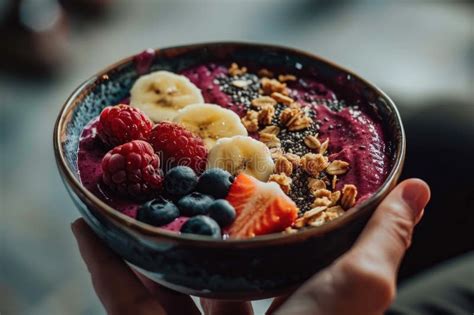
column 372, row 263
column 388, row 233
column 363, row 280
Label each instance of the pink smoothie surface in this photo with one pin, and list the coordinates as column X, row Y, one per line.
column 355, row 135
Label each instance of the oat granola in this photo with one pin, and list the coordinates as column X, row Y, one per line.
column 312, row 142
column 313, row 164
column 270, row 140
column 286, row 77
column 274, row 130
column 293, row 158
column 235, row 70
column 265, row 115
column 283, row 165
column 349, row 194
column 250, row 121
column 263, row 101
column 280, row 98
column 271, row 85
column 337, row 167
column 282, row 180
column 324, row 146
column 315, row 184
column 265, row 73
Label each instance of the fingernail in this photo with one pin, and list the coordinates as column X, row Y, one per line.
column 414, row 199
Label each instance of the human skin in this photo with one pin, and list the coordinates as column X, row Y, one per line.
column 362, row 281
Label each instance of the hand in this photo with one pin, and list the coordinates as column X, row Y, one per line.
column 362, row 281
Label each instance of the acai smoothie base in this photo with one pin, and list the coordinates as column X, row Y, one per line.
column 233, row 151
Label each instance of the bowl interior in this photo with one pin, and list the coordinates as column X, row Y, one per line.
column 112, row 85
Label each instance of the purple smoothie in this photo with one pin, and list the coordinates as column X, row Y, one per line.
column 354, row 134
column 358, row 139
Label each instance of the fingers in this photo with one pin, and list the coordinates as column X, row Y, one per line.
column 372, row 264
column 276, row 303
column 118, row 286
column 115, row 284
column 219, row 307
column 363, row 280
column 173, row 302
column 388, row 233
column 375, row 258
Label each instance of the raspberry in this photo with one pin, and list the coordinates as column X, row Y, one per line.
column 132, row 169
column 178, row 146
column 122, row 123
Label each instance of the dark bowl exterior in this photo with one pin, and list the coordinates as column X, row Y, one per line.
column 249, row 269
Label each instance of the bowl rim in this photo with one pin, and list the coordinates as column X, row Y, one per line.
column 149, row 231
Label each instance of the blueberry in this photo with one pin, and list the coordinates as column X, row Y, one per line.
column 180, row 181
column 202, row 225
column 215, row 182
column 194, row 204
column 222, row 211
column 157, row 212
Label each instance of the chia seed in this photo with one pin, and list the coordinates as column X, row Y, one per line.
column 299, row 192
column 241, row 96
column 291, row 141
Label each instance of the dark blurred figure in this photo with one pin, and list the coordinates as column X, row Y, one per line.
column 437, row 273
column 94, row 8
column 34, row 34
column 440, row 138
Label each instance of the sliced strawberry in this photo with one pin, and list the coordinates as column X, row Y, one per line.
column 261, row 208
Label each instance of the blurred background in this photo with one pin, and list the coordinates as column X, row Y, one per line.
column 420, row 52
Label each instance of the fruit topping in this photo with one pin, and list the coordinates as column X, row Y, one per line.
column 210, row 122
column 158, row 212
column 194, row 204
column 121, row 124
column 132, row 169
column 202, row 225
column 261, row 208
column 257, row 161
column 215, row 182
column 161, row 94
column 242, row 154
column 178, row 146
column 222, row 212
column 180, row 181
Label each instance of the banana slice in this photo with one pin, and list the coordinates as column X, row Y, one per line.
column 242, row 154
column 210, row 122
column 161, row 94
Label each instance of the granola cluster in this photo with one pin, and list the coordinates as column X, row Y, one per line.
column 328, row 203
column 263, row 111
column 235, row 70
column 272, row 113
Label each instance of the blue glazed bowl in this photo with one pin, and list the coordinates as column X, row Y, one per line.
column 254, row 268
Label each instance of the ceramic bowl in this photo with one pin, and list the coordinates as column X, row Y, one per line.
column 254, row 268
